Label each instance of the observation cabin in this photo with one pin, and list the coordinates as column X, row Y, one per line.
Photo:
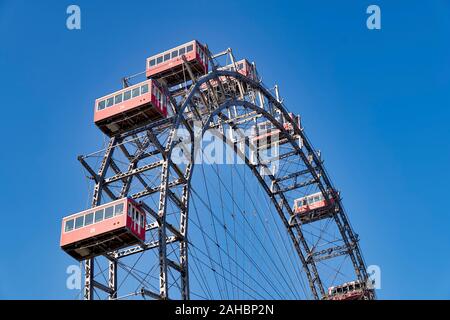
column 103, row 229
column 265, row 134
column 131, row 107
column 315, row 207
column 354, row 290
column 243, row 67
column 169, row 67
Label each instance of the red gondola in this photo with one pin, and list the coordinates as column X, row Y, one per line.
column 103, row 229
column 353, row 290
column 244, row 67
column 313, row 207
column 265, row 134
column 168, row 66
column 130, row 107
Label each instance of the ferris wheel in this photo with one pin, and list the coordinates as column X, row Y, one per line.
column 209, row 188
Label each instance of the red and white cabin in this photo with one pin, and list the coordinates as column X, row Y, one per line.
column 311, row 202
column 168, row 66
column 131, row 107
column 267, row 134
column 103, row 229
column 313, row 207
column 353, row 290
column 244, row 67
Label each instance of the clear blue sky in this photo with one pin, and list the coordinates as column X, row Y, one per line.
column 376, row 103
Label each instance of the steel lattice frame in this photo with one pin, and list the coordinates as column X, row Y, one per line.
column 231, row 100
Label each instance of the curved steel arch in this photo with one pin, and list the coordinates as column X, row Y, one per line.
column 312, row 275
column 305, row 153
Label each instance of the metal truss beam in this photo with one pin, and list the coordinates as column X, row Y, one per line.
column 102, row 287
column 292, row 175
column 132, row 172
column 330, row 253
column 295, row 186
column 146, row 246
column 150, row 191
column 151, row 294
